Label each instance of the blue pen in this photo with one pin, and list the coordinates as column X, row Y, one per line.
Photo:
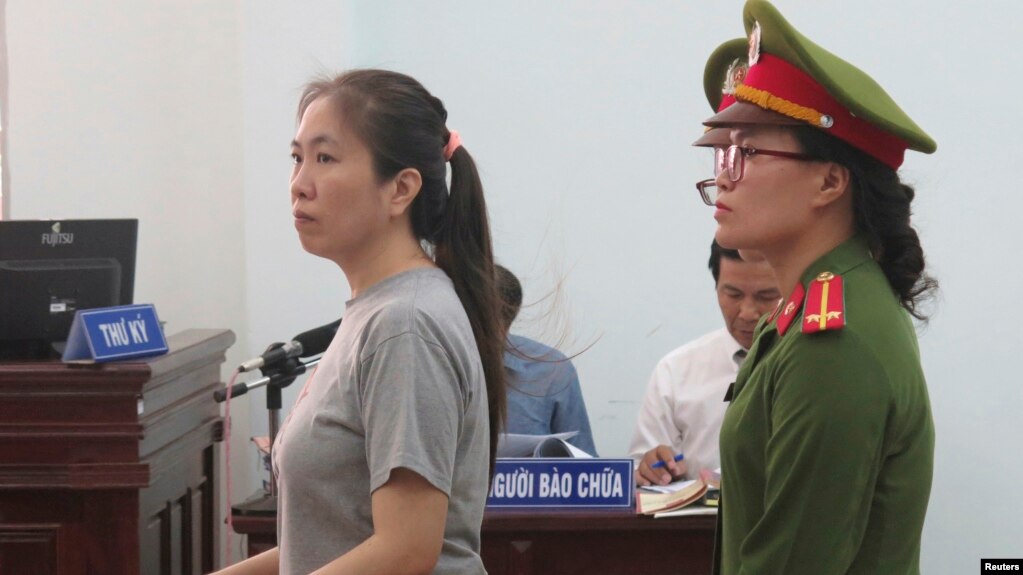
column 678, row 458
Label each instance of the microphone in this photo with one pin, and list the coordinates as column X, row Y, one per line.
column 305, row 344
column 272, row 355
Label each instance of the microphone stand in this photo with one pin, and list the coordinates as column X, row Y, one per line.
column 276, row 377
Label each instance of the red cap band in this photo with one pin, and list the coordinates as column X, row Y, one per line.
column 776, row 85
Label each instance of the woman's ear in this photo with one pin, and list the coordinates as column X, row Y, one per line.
column 407, row 184
column 834, row 184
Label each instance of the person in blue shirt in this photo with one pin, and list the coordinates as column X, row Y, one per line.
column 544, row 395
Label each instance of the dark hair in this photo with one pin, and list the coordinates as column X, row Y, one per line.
column 511, row 294
column 881, row 206
column 716, row 253
column 403, row 126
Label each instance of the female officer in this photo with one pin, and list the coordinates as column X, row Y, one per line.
column 827, row 446
column 383, row 462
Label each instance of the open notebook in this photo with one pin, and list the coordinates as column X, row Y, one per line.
column 676, row 495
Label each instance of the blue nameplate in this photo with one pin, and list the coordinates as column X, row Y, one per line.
column 109, row 333
column 562, row 483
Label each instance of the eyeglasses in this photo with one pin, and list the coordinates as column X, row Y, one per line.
column 733, row 159
column 708, row 191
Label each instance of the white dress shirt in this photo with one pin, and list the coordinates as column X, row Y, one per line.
column 684, row 402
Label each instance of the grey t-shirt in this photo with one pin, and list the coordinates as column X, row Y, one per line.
column 401, row 385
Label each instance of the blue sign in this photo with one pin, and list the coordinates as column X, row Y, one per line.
column 109, row 333
column 562, row 483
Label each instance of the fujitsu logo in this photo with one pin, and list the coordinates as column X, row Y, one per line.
column 56, row 238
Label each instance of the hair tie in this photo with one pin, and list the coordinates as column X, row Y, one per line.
column 454, row 142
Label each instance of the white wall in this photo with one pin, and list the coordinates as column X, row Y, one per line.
column 121, row 108
column 580, row 115
column 135, row 113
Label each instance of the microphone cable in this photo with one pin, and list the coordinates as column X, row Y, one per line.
column 227, row 470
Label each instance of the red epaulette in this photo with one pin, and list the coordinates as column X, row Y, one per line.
column 825, row 304
column 792, row 307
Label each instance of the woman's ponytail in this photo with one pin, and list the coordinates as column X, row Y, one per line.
column 462, row 248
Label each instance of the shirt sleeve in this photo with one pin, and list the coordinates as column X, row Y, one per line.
column 655, row 424
column 823, row 455
column 570, row 409
column 413, row 409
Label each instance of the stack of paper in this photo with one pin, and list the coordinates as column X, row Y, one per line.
column 554, row 445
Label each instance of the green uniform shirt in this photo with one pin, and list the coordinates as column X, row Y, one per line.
column 827, row 447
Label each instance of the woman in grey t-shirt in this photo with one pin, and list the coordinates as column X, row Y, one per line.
column 383, row 463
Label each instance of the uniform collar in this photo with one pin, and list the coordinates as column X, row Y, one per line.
column 846, row 256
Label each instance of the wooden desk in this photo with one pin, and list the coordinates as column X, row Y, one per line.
column 112, row 468
column 567, row 542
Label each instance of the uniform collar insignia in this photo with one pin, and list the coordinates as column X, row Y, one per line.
column 790, row 309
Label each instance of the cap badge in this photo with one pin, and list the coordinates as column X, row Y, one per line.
column 754, row 44
column 734, row 77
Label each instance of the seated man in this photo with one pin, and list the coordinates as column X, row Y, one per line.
column 544, row 396
column 684, row 403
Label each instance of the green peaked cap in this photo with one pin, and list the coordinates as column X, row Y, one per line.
column 846, row 83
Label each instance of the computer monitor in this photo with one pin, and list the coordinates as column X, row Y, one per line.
column 51, row 269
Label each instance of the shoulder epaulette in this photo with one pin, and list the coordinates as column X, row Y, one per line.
column 824, row 308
